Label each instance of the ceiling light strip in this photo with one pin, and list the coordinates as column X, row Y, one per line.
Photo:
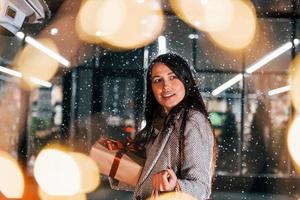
column 279, row 90
column 40, row 82
column 19, row 75
column 44, row 49
column 277, row 52
column 10, row 72
column 272, row 55
column 47, row 51
column 162, row 45
column 227, row 84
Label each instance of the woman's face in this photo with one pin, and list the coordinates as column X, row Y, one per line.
column 167, row 88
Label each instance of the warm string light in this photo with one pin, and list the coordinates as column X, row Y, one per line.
column 208, row 16
column 36, row 66
column 120, row 24
column 293, row 133
column 62, row 173
column 89, row 172
column 293, row 140
column 57, row 173
column 12, row 180
column 241, row 30
column 295, row 82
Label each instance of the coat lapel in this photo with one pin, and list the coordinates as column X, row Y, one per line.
column 153, row 157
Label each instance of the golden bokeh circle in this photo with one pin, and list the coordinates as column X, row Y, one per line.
column 12, row 180
column 242, row 29
column 295, row 82
column 208, row 16
column 33, row 63
column 293, row 141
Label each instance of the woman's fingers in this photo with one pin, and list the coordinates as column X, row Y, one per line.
column 172, row 178
column 164, row 180
column 161, row 184
column 154, row 181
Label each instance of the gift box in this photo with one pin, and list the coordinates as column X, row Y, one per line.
column 119, row 161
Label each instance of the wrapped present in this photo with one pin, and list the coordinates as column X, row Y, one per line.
column 123, row 162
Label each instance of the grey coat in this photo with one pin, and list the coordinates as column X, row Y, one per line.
column 196, row 165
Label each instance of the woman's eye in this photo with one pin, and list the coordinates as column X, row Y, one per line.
column 155, row 80
column 173, row 77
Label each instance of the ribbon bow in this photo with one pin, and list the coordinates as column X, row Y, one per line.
column 134, row 151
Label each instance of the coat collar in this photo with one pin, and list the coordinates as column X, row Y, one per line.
column 152, row 158
column 162, row 141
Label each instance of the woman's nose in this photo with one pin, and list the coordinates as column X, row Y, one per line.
column 166, row 84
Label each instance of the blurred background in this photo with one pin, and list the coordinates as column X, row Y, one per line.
column 75, row 71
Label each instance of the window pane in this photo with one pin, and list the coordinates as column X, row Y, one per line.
column 224, row 111
column 265, row 125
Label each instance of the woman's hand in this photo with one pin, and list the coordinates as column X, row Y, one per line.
column 164, row 181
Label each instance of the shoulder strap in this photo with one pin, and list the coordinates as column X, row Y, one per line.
column 181, row 141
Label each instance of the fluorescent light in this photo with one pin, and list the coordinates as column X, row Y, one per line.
column 40, row 82
column 43, row 48
column 252, row 68
column 19, row 75
column 47, row 51
column 162, row 46
column 279, row 90
column 227, row 84
column 267, row 58
column 11, row 72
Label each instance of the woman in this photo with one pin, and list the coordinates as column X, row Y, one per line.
column 178, row 136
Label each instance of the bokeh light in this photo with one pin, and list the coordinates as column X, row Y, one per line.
column 293, row 140
column 57, row 173
column 175, row 196
column 295, row 82
column 90, row 175
column 107, row 27
column 44, row 196
column 209, row 16
column 11, row 177
column 91, row 21
column 120, row 24
column 32, row 62
column 241, row 31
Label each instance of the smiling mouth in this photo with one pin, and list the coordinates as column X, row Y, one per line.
column 167, row 95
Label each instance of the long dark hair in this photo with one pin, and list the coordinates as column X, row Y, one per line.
column 182, row 70
column 192, row 99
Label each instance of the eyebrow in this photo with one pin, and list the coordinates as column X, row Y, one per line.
column 170, row 73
